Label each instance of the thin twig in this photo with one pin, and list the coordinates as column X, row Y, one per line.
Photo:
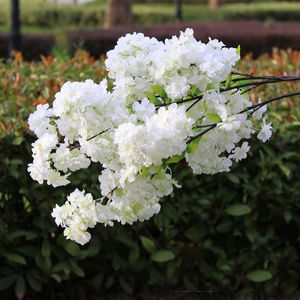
column 266, row 81
column 202, row 133
column 249, row 77
column 97, row 134
column 204, row 126
column 259, row 105
column 253, row 85
column 76, row 144
column 255, row 107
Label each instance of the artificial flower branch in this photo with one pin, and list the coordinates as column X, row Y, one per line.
column 253, row 107
column 146, row 136
column 253, row 85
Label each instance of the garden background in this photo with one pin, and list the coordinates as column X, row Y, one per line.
column 231, row 236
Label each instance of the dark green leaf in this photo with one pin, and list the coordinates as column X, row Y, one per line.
column 17, row 258
column 56, row 277
column 126, row 287
column 76, row 269
column 46, row 251
column 20, row 288
column 259, row 276
column 238, row 210
column 72, row 248
column 34, row 283
column 162, row 256
column 7, row 281
column 148, row 244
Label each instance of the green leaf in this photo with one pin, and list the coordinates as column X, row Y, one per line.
column 233, row 178
column 56, row 277
column 285, row 170
column 43, row 262
column 76, row 269
column 152, row 98
column 157, row 89
column 214, row 117
column 18, row 141
column 46, row 251
column 162, row 256
column 20, row 288
column 287, row 216
column 72, row 248
column 7, row 281
column 175, row 159
column 148, row 244
column 97, row 281
column 238, row 210
column 15, row 258
column 259, row 276
column 125, row 285
column 117, row 262
column 109, row 282
column 228, row 81
column 145, row 171
column 34, row 283
column 94, row 247
column 192, row 147
column 194, row 234
column 205, row 106
column 61, row 266
column 238, row 50
column 29, row 235
column 134, row 255
column 195, row 91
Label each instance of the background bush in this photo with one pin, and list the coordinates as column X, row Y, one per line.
column 46, row 15
column 266, row 36
column 33, row 45
column 281, row 11
column 232, row 234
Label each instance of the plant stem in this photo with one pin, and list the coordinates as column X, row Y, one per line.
column 254, row 107
column 202, row 133
column 259, row 105
column 254, row 84
column 249, row 76
column 97, row 134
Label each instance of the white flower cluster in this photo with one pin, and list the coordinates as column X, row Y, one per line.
column 168, row 103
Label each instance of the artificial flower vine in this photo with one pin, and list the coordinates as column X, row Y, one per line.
column 175, row 100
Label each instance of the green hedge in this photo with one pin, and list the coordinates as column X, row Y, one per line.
column 53, row 16
column 266, row 36
column 262, row 11
column 32, row 45
column 232, row 234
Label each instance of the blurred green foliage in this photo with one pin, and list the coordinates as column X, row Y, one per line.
column 46, row 15
column 234, row 234
column 263, row 11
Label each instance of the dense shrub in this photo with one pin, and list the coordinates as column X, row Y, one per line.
column 266, row 36
column 33, row 45
column 48, row 15
column 211, row 235
column 64, row 16
column 262, row 11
